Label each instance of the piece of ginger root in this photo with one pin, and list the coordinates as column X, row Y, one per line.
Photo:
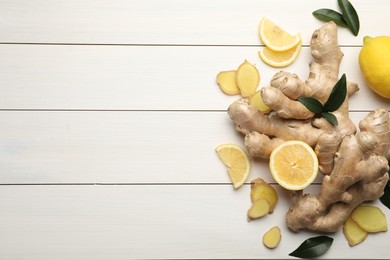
column 247, row 78
column 353, row 232
column 370, row 218
column 227, row 82
column 272, row 237
column 259, row 209
column 260, row 189
column 355, row 165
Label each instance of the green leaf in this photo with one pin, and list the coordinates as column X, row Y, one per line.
column 337, row 96
column 312, row 104
column 330, row 15
column 385, row 199
column 330, row 118
column 313, row 247
column 350, row 16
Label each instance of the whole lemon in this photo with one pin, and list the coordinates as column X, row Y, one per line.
column 374, row 61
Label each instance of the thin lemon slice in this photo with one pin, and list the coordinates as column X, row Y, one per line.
column 237, row 161
column 294, row 165
column 275, row 37
column 280, row 59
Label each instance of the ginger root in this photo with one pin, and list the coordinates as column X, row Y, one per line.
column 272, row 237
column 227, row 82
column 370, row 218
column 259, row 209
column 355, row 164
column 353, row 232
column 247, row 78
column 260, row 189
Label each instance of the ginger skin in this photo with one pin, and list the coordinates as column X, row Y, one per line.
column 359, row 174
column 291, row 120
column 355, row 165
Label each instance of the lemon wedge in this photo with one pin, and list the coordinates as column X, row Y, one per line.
column 237, row 162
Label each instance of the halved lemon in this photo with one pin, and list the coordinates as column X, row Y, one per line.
column 275, row 37
column 294, row 165
column 237, row 161
column 280, row 59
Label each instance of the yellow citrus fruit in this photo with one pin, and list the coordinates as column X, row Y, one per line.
column 294, row 165
column 374, row 61
column 275, row 38
column 237, row 161
column 257, row 101
column 280, row 59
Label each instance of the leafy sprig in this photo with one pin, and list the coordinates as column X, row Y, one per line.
column 335, row 100
column 313, row 247
column 348, row 18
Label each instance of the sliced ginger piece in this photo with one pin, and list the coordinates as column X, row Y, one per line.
column 247, row 78
column 227, row 82
column 353, row 232
column 259, row 209
column 370, row 218
column 257, row 101
column 272, row 237
column 260, row 189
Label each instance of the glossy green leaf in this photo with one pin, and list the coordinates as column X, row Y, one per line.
column 337, row 96
column 385, row 199
column 350, row 16
column 330, row 118
column 312, row 104
column 330, row 15
column 313, row 247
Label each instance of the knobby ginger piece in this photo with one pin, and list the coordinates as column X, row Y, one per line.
column 247, row 79
column 259, row 209
column 370, row 218
column 272, row 237
column 227, row 82
column 353, row 232
column 260, row 189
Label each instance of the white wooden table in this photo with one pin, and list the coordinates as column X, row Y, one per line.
column 109, row 116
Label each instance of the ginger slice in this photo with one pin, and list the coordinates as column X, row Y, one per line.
column 257, row 101
column 260, row 189
column 247, row 78
column 227, row 82
column 370, row 218
column 272, row 237
column 353, row 232
column 259, row 209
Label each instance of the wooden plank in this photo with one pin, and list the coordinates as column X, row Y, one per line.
column 171, row 21
column 149, row 222
column 118, row 147
column 140, row 78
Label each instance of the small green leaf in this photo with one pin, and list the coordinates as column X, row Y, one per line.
column 385, row 199
column 330, row 15
column 313, row 247
column 350, row 16
column 330, row 118
column 337, row 96
column 312, row 104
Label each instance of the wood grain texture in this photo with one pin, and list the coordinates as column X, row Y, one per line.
column 118, row 147
column 141, row 77
column 149, row 222
column 171, row 21
column 110, row 114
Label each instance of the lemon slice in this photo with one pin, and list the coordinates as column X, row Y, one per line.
column 294, row 165
column 237, row 161
column 280, row 59
column 275, row 37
